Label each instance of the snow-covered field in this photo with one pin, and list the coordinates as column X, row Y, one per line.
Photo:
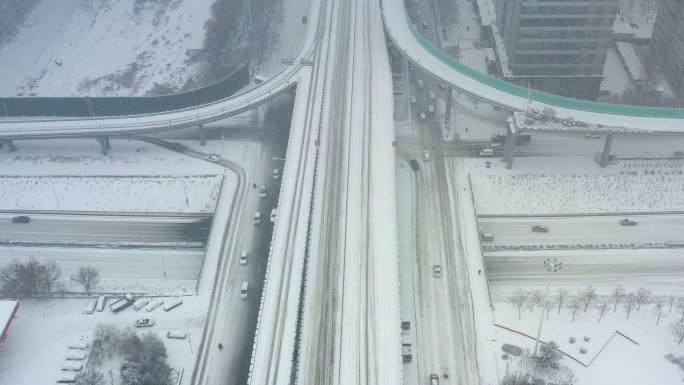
column 103, row 47
column 561, row 194
column 620, row 362
column 177, row 194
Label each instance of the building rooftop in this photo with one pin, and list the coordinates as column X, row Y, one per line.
column 631, row 59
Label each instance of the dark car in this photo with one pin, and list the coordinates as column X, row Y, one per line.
column 414, row 165
column 627, row 222
column 21, row 219
column 305, row 19
column 540, row 229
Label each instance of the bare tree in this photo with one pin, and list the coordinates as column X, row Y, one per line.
column 658, row 308
column 643, row 297
column 534, row 298
column 9, row 279
column 575, row 305
column 680, row 308
column 88, row 277
column 588, row 297
column 548, row 306
column 51, row 274
column 518, row 300
column 648, row 9
column 602, row 306
column 616, row 296
column 629, row 303
column 671, row 299
column 560, row 297
column 677, row 330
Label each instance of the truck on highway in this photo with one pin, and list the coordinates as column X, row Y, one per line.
column 420, row 84
column 523, row 138
column 122, row 303
column 413, row 101
column 431, row 109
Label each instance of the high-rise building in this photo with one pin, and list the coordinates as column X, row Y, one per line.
column 558, row 46
column 668, row 42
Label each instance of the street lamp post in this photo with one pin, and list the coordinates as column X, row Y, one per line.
column 551, row 266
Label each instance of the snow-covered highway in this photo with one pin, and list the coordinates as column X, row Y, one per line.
column 575, row 230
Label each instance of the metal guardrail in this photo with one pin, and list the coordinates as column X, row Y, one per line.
column 560, row 101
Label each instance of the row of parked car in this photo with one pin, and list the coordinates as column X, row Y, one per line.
column 129, row 300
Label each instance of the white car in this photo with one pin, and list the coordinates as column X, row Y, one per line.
column 426, row 156
column 243, row 257
column 437, row 271
column 213, row 158
column 592, row 136
column 144, row 323
column 274, row 215
column 262, row 192
column 276, row 174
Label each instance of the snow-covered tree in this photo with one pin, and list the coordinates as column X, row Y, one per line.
column 616, row 296
column 88, row 277
column 602, row 306
column 629, row 303
column 658, row 308
column 548, row 357
column 534, row 298
column 575, row 305
column 51, row 274
column 588, row 297
column 518, row 300
column 643, row 297
column 680, row 308
column 90, row 377
column 560, row 297
column 677, row 330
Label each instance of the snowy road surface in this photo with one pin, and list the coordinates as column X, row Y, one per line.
column 114, row 263
column 96, row 228
column 584, row 230
column 661, row 270
column 351, row 310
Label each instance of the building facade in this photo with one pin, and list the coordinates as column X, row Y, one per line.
column 558, row 46
column 668, row 42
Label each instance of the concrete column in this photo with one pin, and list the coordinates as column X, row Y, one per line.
column 507, row 145
column 606, row 150
column 202, row 135
column 90, row 106
column 106, row 140
column 447, row 117
column 511, row 136
column 103, row 145
column 10, row 146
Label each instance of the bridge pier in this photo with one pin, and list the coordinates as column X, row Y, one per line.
column 447, row 117
column 202, row 134
column 606, row 150
column 104, row 144
column 509, row 146
column 10, row 145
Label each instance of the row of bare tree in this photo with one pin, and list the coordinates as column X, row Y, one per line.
column 33, row 278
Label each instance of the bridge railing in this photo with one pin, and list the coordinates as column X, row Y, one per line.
column 560, row 101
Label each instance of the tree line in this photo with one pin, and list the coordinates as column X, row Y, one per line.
column 34, row 278
column 587, row 299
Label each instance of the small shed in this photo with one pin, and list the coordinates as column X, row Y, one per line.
column 8, row 309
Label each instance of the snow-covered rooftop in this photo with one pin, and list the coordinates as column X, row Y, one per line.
column 631, row 60
column 7, row 309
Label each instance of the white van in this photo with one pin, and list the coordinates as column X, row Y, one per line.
column 420, row 84
column 257, row 219
column 486, row 152
column 276, row 174
column 243, row 257
column 154, row 304
column 413, row 101
column 244, row 291
column 274, row 215
column 66, row 378
column 101, row 303
column 172, row 303
column 431, row 109
column 422, row 116
column 90, row 308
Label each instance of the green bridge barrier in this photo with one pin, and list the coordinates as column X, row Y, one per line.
column 560, row 101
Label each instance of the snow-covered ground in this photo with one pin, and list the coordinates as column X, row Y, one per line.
column 103, row 47
column 177, row 194
column 620, row 362
column 577, row 193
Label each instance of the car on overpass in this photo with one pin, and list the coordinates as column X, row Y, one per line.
column 540, row 229
column 21, row 219
column 437, row 271
column 627, row 222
